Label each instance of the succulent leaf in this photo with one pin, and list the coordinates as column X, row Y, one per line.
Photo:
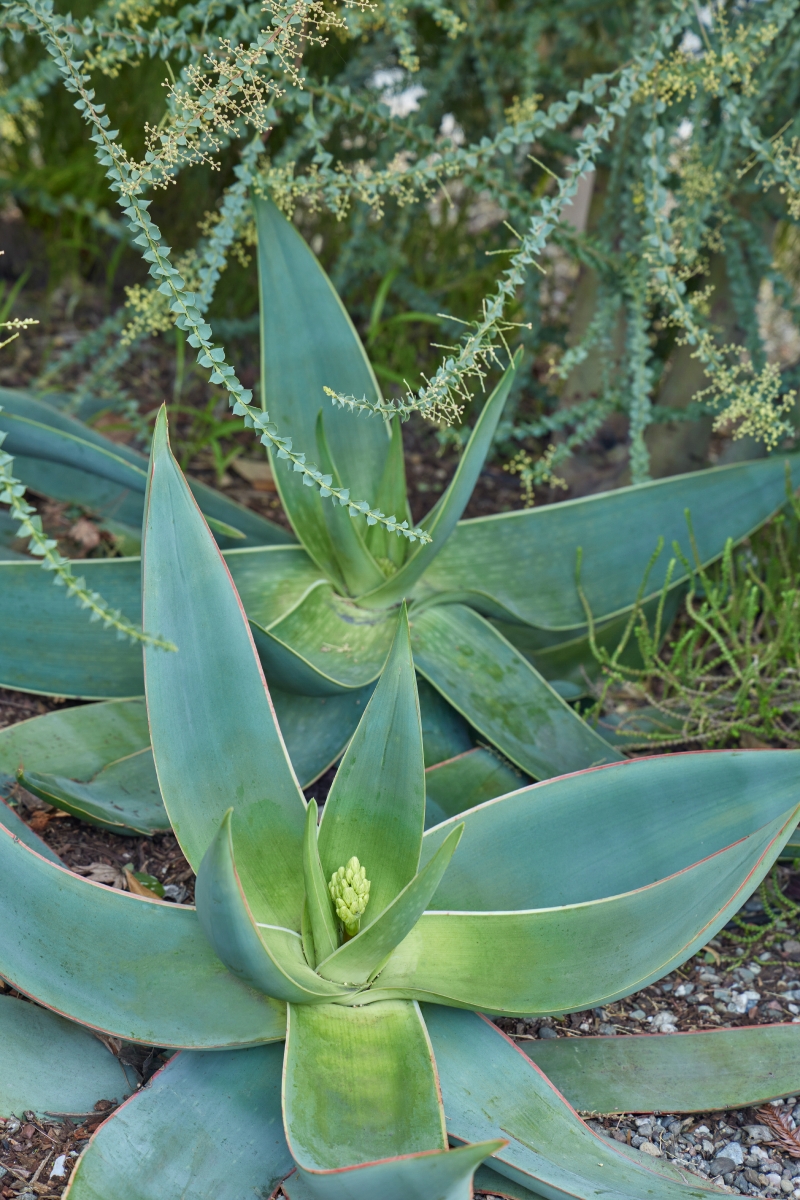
column 324, row 935
column 520, row 566
column 133, row 968
column 358, row 568
column 490, row 1087
column 359, row 959
column 72, row 462
column 445, row 1174
column 392, row 497
column 360, row 1084
column 454, row 646
column 215, row 738
column 165, row 1142
column 325, row 645
column 444, row 516
column 267, row 957
column 31, row 1039
column 678, row 1072
column 308, row 342
column 566, row 958
column 123, row 797
column 375, row 809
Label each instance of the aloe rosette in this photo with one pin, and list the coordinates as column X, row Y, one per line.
column 498, row 631
column 338, row 968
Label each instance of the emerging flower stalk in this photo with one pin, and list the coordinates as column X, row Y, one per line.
column 349, row 888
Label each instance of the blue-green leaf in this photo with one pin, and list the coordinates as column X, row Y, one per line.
column 490, row 1089
column 206, row 1125
column 460, row 783
column 267, row 957
column 324, row 934
column 520, row 566
column 360, row 1085
column 376, row 807
column 678, row 1072
column 308, row 343
column 442, row 519
column 501, row 694
column 123, row 797
column 215, row 739
column 13, row 822
column 50, row 1065
column 135, row 968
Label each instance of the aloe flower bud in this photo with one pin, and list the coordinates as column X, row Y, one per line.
column 349, row 888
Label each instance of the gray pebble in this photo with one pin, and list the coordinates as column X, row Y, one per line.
column 733, row 1152
column 757, row 1133
column 546, row 1032
column 607, row 1030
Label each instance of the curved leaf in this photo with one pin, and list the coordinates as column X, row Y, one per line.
column 138, row 969
column 375, row 809
column 357, row 960
column 359, row 570
column 325, row 644
column 360, row 1084
column 317, row 729
column 266, row 957
column 50, row 1065
column 442, row 519
column 11, row 821
column 392, row 498
column 445, row 733
column 124, row 797
column 70, row 461
column 440, row 1175
column 561, row 842
column 501, row 694
column 673, row 1072
column 216, row 742
column 583, row 955
column 55, row 648
column 487, row 1180
column 571, row 662
column 324, row 934
column 80, row 742
column 490, row 1088
column 463, row 782
column 307, row 343
column 520, row 566
column 206, row 1125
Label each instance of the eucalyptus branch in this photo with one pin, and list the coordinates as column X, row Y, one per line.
column 128, row 181
column 443, row 396
column 753, row 400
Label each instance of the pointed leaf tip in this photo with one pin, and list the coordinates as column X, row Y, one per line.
column 320, row 912
column 161, row 430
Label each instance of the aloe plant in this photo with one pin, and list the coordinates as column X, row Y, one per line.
column 494, row 599
column 554, row 898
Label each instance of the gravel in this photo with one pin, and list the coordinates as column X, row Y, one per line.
column 731, row 1150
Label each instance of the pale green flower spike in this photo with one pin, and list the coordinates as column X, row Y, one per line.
column 349, row 888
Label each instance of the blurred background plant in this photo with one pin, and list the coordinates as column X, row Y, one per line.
column 729, row 671
column 658, row 310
